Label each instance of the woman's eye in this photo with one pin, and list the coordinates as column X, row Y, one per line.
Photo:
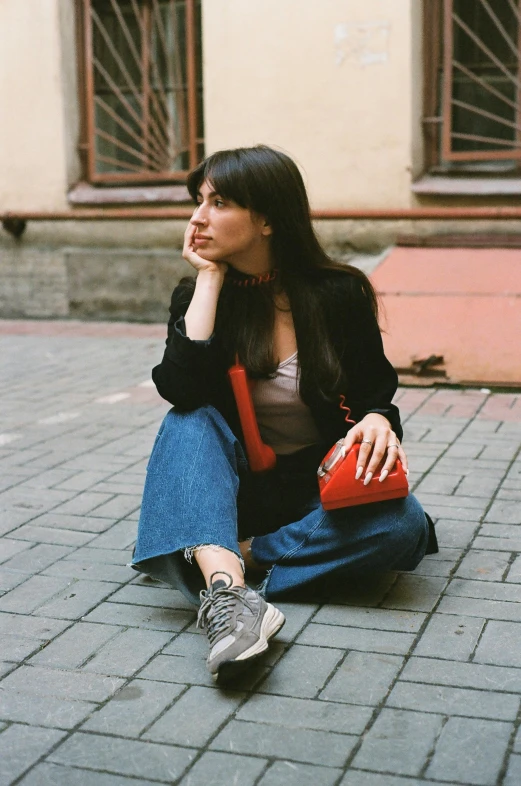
column 219, row 203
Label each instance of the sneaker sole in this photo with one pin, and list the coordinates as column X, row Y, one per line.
column 272, row 622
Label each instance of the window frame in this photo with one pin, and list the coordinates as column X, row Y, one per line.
column 87, row 143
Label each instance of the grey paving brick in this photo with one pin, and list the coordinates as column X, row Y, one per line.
column 470, row 750
column 48, row 774
column 8, row 548
column 500, row 644
column 37, row 558
column 32, row 594
column 75, row 646
column 513, row 773
column 68, row 521
column 305, row 714
column 303, row 671
column 374, row 619
column 434, row 501
column 104, row 556
column 21, row 746
column 48, row 479
column 133, row 708
column 141, row 616
column 42, row 711
column 498, row 544
column 451, row 637
column 91, row 571
column 150, row 595
column 121, row 535
column 462, row 675
column 77, row 599
column 83, row 480
column 480, row 484
column 314, row 747
column 483, row 565
column 288, row 773
column 9, row 579
column 489, row 590
column 399, row 742
column 32, row 500
column 415, row 593
column 215, row 769
column 60, row 537
column 127, row 652
column 363, row 678
column 17, row 648
column 474, row 607
column 455, row 534
column 119, row 506
column 30, row 627
column 503, row 512
column 436, row 483
column 124, row 757
column 362, row 639
column 40, row 681
column 359, row 778
column 447, row 700
column 83, row 503
column 178, row 669
column 195, row 717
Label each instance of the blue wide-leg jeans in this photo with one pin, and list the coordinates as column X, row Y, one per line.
column 199, row 491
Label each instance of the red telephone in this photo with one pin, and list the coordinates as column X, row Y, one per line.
column 261, row 457
column 340, row 489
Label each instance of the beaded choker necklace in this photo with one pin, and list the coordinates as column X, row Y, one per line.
column 240, row 280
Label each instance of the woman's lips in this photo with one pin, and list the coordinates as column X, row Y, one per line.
column 201, row 239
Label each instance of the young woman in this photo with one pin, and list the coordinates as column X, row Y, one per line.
column 306, row 329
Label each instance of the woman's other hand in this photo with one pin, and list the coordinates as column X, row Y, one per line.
column 196, row 260
column 378, row 443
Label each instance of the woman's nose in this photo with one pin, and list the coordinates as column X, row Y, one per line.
column 198, row 217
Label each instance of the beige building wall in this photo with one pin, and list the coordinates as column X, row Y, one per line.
column 36, row 159
column 333, row 83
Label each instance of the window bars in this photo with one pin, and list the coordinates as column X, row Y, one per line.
column 140, row 70
column 481, row 80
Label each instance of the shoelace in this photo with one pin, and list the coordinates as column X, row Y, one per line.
column 216, row 608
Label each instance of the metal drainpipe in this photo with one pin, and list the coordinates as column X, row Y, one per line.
column 16, row 221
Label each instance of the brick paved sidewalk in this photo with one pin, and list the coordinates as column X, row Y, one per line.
column 409, row 679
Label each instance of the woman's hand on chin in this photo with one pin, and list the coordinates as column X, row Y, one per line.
column 198, row 262
column 378, row 443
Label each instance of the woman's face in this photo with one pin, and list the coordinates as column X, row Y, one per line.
column 226, row 232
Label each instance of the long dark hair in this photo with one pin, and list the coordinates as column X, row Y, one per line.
column 269, row 183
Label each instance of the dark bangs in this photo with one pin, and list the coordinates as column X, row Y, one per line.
column 228, row 175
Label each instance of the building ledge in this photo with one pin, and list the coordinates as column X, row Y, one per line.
column 87, row 194
column 439, row 185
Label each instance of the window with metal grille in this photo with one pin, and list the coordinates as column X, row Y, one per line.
column 140, row 75
column 473, row 84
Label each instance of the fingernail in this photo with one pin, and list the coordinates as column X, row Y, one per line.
column 359, row 473
column 343, row 452
column 367, row 478
column 383, row 475
column 406, row 473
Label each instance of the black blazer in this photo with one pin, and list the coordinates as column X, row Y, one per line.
column 193, row 373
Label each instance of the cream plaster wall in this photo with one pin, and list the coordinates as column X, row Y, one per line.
column 329, row 81
column 34, row 148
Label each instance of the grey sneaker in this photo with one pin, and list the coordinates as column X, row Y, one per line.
column 238, row 623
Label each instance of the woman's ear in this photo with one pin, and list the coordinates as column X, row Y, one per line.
column 266, row 228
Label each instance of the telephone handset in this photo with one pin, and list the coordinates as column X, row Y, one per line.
column 261, row 457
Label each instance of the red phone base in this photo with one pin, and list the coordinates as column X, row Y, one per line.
column 339, row 488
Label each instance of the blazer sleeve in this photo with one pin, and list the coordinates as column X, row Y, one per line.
column 184, row 376
column 371, row 378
